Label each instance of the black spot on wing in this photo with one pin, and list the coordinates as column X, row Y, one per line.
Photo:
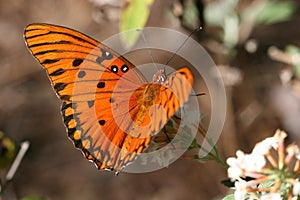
column 57, row 72
column 91, row 103
column 66, row 105
column 77, row 62
column 102, row 122
column 124, row 68
column 78, row 143
column 105, row 55
column 99, row 60
column 59, row 86
column 65, row 97
column 114, row 69
column 68, row 118
column 101, row 84
column 81, row 74
column 50, row 61
column 71, row 131
column 111, row 100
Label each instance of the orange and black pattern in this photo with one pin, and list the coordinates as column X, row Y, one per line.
column 103, row 95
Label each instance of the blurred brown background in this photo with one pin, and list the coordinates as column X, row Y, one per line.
column 29, row 109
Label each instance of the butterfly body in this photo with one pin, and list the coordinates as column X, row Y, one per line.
column 109, row 109
column 146, row 101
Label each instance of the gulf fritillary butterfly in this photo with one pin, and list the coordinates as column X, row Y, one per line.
column 93, row 82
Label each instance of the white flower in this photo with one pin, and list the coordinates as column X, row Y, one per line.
column 277, row 178
column 297, row 153
column 265, row 146
column 271, row 196
column 240, row 190
column 235, row 165
column 244, row 163
column 292, row 150
column 234, row 173
column 296, row 188
column 280, row 135
column 254, row 162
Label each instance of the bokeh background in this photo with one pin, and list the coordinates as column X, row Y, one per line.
column 250, row 41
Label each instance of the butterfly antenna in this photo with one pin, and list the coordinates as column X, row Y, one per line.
column 196, row 95
column 149, row 50
column 180, row 47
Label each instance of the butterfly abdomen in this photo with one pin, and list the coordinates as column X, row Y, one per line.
column 145, row 101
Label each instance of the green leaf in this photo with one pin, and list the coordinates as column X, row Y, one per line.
column 294, row 51
column 266, row 184
column 190, row 15
column 275, row 11
column 8, row 150
column 229, row 197
column 216, row 12
column 134, row 16
column 33, row 198
column 224, row 14
column 297, row 70
column 231, row 31
column 194, row 145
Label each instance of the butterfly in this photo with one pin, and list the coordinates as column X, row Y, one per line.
column 110, row 110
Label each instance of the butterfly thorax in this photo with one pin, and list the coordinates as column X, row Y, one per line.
column 150, row 93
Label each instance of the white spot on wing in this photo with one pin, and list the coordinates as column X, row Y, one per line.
column 125, row 69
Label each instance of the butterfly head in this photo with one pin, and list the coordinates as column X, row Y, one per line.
column 159, row 77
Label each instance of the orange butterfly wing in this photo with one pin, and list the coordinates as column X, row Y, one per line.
column 94, row 83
